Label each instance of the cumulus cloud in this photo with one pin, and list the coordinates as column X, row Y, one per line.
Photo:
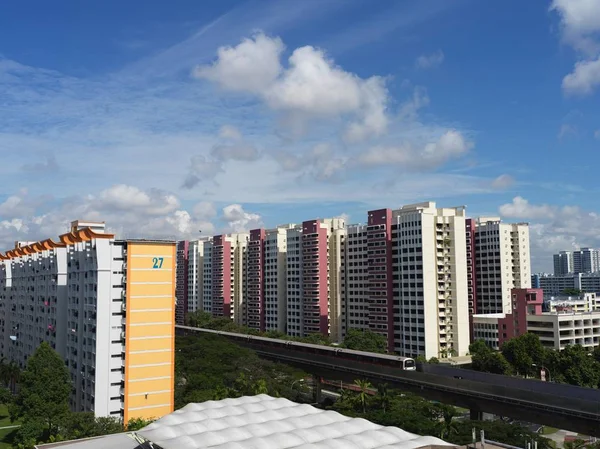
column 310, row 87
column 238, row 220
column 450, row 145
column 503, row 182
column 430, row 61
column 555, row 228
column 251, row 66
column 580, row 26
column 584, row 79
column 128, row 211
column 580, row 21
column 321, row 162
column 522, row 209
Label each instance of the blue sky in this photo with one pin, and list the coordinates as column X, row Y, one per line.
column 164, row 118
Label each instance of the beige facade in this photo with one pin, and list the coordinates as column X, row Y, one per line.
column 502, row 263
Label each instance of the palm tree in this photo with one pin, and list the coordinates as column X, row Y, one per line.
column 448, row 425
column 363, row 394
column 383, row 396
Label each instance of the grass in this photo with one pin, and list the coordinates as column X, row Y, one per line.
column 547, row 430
column 6, row 438
column 6, row 435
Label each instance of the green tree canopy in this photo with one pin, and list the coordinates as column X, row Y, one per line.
column 524, row 353
column 44, row 389
column 485, row 359
column 364, row 340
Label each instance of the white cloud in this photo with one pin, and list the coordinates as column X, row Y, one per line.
column 555, row 228
column 450, row 145
column 128, row 211
column 580, row 20
column 584, row 79
column 430, row 61
column 238, row 220
column 597, row 134
column 251, row 66
column 580, row 24
column 311, row 87
column 201, row 168
column 503, row 182
column 230, row 132
column 521, row 208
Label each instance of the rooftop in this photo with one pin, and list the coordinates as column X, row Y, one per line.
column 260, row 422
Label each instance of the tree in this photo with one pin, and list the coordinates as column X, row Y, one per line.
column 363, row 395
column 365, row 340
column 448, row 425
column 43, row 399
column 523, row 352
column 198, row 318
column 138, row 423
column 572, row 292
column 486, row 360
column 383, row 396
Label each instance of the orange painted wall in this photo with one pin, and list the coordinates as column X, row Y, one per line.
column 149, row 390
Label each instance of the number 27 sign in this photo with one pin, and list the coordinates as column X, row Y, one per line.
column 157, row 262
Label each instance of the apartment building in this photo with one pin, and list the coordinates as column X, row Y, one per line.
column 225, row 292
column 406, row 279
column 502, row 262
column 497, row 328
column 266, row 282
column 586, row 302
column 560, row 329
column 314, row 266
column 355, row 303
column 430, row 262
column 107, row 306
column 207, row 291
column 563, row 263
column 195, row 274
column 556, row 285
column 584, row 260
column 181, row 288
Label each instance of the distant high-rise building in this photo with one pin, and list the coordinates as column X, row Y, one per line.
column 107, row 306
column 225, row 272
column 181, row 290
column 355, row 303
column 266, row 282
column 406, row 279
column 502, row 263
column 195, row 276
column 314, row 277
column 563, row 263
column 584, row 260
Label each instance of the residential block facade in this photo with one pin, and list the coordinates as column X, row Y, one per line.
column 107, row 306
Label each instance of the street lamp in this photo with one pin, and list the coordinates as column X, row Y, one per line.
column 545, row 369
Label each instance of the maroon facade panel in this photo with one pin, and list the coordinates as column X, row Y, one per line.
column 381, row 289
column 525, row 301
column 315, row 292
column 221, row 276
column 181, row 281
column 255, row 308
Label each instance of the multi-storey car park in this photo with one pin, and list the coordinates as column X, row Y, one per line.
column 107, row 306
